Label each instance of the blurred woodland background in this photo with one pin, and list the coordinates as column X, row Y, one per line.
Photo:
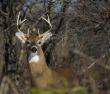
column 81, row 38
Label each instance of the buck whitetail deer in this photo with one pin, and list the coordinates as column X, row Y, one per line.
column 42, row 75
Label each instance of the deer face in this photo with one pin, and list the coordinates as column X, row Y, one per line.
column 34, row 50
column 33, row 42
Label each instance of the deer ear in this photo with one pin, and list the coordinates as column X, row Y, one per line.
column 21, row 36
column 44, row 37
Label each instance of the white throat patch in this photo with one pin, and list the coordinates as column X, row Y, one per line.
column 33, row 58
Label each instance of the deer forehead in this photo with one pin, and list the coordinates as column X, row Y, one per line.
column 34, row 38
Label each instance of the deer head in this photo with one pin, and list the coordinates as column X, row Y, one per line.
column 33, row 42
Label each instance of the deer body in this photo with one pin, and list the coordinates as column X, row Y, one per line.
column 42, row 75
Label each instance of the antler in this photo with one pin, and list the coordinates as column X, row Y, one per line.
column 19, row 22
column 20, row 34
column 47, row 20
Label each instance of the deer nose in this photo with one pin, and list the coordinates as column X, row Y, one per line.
column 34, row 49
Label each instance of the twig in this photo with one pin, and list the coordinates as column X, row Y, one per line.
column 21, row 54
column 14, row 24
column 93, row 85
column 3, row 13
column 92, row 60
column 6, row 82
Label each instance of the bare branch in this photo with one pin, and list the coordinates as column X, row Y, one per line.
column 5, row 82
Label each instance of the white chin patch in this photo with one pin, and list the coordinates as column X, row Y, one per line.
column 33, row 58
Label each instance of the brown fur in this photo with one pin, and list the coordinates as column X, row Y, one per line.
column 44, row 77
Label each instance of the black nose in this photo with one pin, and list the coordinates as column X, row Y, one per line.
column 34, row 49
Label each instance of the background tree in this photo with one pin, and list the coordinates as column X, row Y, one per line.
column 80, row 38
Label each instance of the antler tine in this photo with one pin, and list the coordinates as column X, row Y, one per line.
column 38, row 32
column 47, row 20
column 18, row 19
column 28, row 32
column 18, row 22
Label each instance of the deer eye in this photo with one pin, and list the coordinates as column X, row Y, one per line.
column 34, row 49
column 28, row 42
column 39, row 42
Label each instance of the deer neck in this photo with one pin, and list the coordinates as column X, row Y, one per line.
column 40, row 67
